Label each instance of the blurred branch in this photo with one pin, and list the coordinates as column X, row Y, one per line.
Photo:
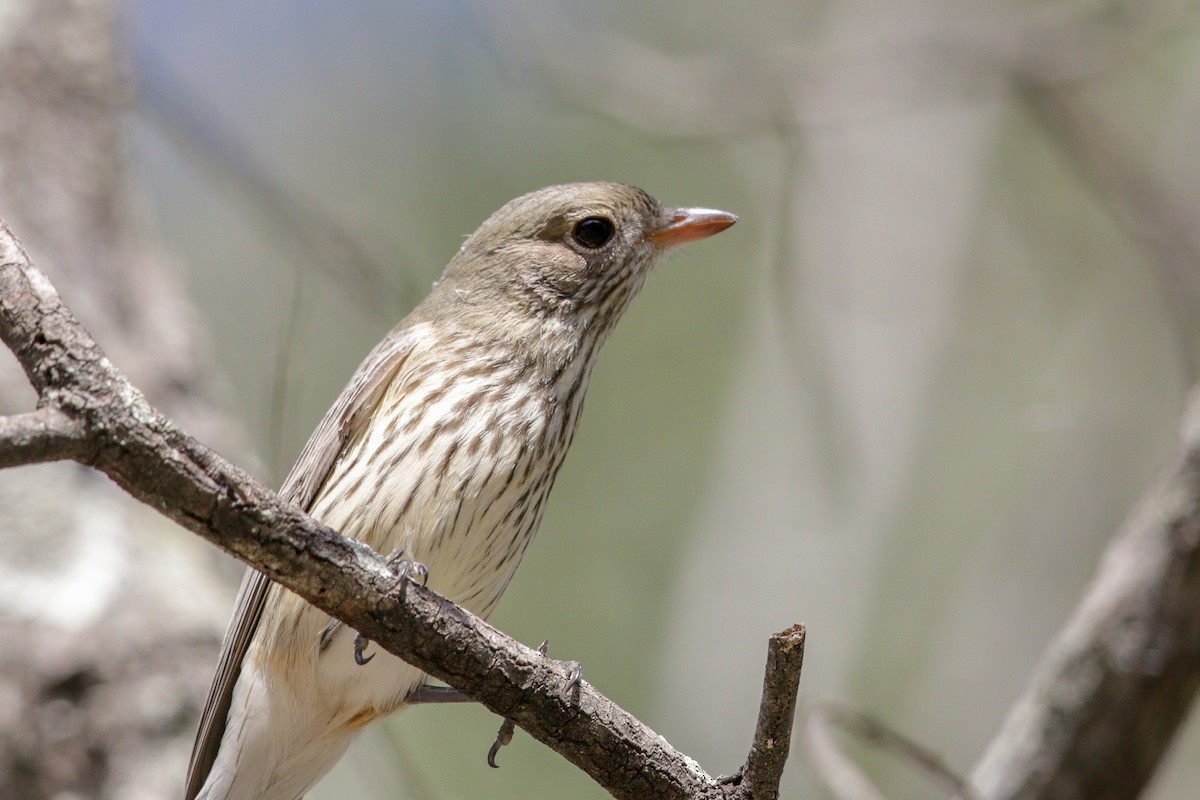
column 157, row 463
column 846, row 780
column 1117, row 682
column 753, row 89
column 679, row 96
column 1115, row 685
column 1062, row 42
column 801, row 339
column 281, row 379
column 1163, row 224
column 309, row 232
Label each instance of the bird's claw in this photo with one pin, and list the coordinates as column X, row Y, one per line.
column 360, row 642
column 503, row 737
column 574, row 669
column 505, row 734
column 403, row 570
column 575, row 675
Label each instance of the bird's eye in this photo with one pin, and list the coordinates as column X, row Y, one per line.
column 593, row 232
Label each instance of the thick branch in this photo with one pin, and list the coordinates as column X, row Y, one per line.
column 1118, row 680
column 158, row 464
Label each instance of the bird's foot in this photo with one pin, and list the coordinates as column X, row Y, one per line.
column 503, row 737
column 404, row 570
column 574, row 669
column 360, row 642
column 505, row 734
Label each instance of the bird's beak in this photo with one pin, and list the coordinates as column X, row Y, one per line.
column 679, row 225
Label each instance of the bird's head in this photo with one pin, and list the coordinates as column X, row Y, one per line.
column 574, row 254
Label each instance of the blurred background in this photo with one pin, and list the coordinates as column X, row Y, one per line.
column 906, row 401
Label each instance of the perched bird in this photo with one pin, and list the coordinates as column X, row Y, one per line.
column 443, row 447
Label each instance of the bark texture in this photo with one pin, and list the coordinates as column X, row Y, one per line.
column 110, row 618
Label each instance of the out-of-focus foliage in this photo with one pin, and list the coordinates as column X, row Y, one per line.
column 906, row 401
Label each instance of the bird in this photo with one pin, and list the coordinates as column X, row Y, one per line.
column 441, row 451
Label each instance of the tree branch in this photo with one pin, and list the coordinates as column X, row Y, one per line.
column 43, row 435
column 776, row 713
column 1114, row 686
column 90, row 413
column 1119, row 678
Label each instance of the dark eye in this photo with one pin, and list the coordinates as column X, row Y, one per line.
column 593, row 232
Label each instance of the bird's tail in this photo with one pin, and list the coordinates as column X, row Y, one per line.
column 268, row 752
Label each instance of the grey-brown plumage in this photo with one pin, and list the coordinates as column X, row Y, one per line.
column 445, row 444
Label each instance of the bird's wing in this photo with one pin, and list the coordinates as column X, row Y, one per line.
column 341, row 424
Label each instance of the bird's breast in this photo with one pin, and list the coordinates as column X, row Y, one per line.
column 455, row 467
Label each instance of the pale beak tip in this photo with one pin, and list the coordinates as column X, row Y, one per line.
column 689, row 224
